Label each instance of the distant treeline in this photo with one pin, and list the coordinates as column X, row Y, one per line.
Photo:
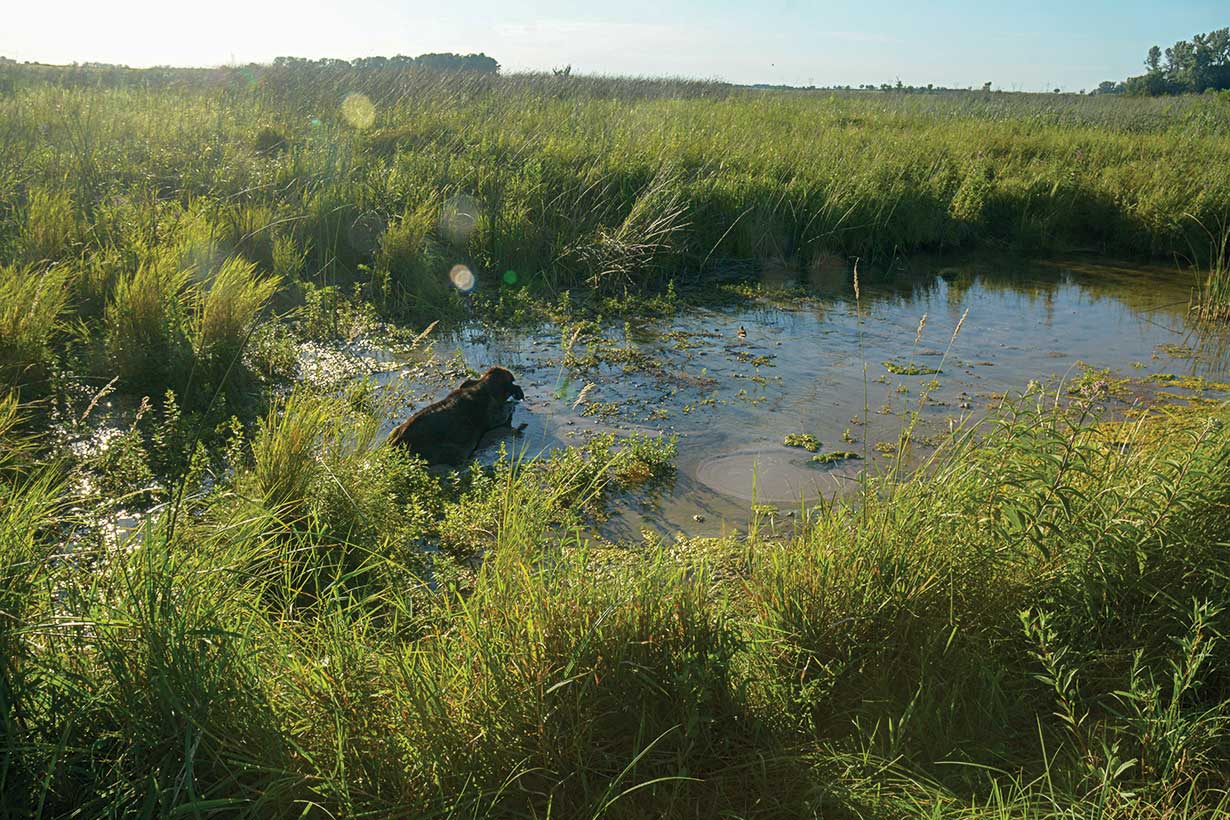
column 479, row 63
column 14, row 75
column 1188, row 67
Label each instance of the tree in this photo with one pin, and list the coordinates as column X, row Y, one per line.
column 1219, row 43
column 986, row 86
column 1189, row 66
column 1181, row 63
column 1154, row 60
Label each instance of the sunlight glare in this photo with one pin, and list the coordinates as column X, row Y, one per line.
column 359, row 111
column 462, row 278
column 458, row 217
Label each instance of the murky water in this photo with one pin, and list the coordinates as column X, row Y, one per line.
column 733, row 383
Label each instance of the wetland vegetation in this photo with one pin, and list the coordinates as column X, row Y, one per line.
column 220, row 594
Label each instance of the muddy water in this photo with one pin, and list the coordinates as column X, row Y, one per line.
column 733, row 383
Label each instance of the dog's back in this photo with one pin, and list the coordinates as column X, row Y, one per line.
column 449, row 431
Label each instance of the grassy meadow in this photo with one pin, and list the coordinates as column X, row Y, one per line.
column 234, row 601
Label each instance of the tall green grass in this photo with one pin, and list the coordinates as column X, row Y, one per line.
column 595, row 183
column 32, row 315
column 313, row 624
column 1032, row 628
column 228, row 310
column 1213, row 299
column 146, row 326
column 540, row 186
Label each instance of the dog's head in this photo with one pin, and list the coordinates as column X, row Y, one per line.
column 501, row 384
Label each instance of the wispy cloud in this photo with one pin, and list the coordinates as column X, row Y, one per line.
column 622, row 47
column 584, row 34
column 860, row 37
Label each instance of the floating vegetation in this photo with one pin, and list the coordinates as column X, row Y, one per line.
column 835, row 457
column 1196, row 383
column 630, row 359
column 1099, row 384
column 1154, row 424
column 690, row 340
column 805, row 441
column 910, row 369
column 1178, row 351
column 602, row 409
column 743, row 357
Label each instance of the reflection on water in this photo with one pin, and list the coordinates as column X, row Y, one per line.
column 799, row 367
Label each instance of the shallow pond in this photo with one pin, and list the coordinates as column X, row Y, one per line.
column 732, row 383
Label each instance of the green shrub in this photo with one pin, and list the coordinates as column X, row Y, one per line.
column 226, row 314
column 146, row 326
column 270, row 142
column 31, row 312
column 92, row 282
column 411, row 267
column 50, row 232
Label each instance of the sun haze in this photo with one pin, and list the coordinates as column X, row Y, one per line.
column 957, row 43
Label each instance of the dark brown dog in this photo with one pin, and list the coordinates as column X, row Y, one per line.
column 448, row 432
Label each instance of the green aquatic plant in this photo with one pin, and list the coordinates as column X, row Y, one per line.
column 1098, row 383
column 835, row 457
column 910, row 369
column 1196, row 383
column 805, row 441
column 1213, row 297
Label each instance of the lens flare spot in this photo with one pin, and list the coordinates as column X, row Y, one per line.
column 359, row 111
column 462, row 278
column 510, row 277
column 458, row 218
column 315, row 123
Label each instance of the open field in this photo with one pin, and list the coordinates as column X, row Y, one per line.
column 589, row 183
column 219, row 594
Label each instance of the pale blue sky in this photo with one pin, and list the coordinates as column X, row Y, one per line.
column 1025, row 46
